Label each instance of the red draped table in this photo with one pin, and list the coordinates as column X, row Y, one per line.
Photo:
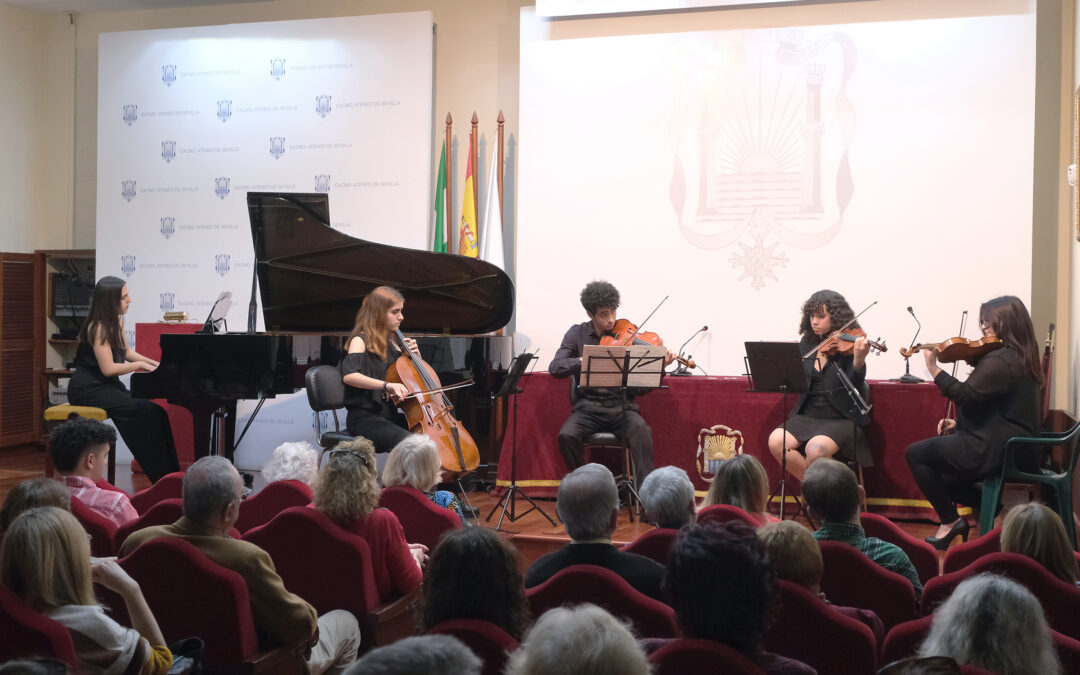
column 902, row 414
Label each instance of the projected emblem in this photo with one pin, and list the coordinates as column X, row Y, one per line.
column 221, row 186
column 168, row 75
column 322, row 105
column 131, row 113
column 221, row 264
column 716, row 445
column 168, row 151
column 322, row 183
column 168, row 302
column 127, row 265
column 277, row 147
column 761, row 126
column 127, row 190
column 224, row 110
column 277, row 68
column 168, row 226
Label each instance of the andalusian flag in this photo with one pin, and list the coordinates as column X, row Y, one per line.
column 439, row 245
column 467, row 242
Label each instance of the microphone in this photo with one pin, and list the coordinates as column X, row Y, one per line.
column 683, row 370
column 917, row 322
column 907, row 377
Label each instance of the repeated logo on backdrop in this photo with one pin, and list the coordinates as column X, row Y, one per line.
column 221, row 186
column 322, row 182
column 277, row 68
column 277, row 147
column 168, row 226
column 127, row 190
column 168, row 151
column 322, row 105
column 168, row 75
column 127, row 265
column 221, row 264
column 168, row 302
column 224, row 110
column 131, row 113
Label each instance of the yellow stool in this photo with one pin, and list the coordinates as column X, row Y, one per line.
column 58, row 414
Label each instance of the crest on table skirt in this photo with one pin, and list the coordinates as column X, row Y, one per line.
column 715, row 445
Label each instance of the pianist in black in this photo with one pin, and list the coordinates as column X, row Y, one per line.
column 369, row 399
column 102, row 357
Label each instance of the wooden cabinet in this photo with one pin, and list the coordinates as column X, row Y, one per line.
column 20, row 408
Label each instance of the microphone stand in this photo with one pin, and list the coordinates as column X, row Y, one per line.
column 682, row 370
column 907, row 377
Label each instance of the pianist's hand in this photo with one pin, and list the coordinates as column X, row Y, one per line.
column 143, row 367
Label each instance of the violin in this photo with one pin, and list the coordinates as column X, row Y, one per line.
column 843, row 342
column 428, row 411
column 958, row 349
column 626, row 333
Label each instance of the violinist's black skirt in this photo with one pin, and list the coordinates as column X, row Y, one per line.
column 845, row 433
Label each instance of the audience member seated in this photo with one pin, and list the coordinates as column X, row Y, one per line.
column 721, row 586
column 79, row 450
column 293, row 461
column 1036, row 531
column 832, row 491
column 30, row 493
column 212, row 494
column 348, row 492
column 473, row 574
column 741, row 481
column 794, row 555
column 993, row 623
column 588, row 505
column 45, row 560
column 668, row 497
column 583, row 640
column 424, row 655
column 415, row 462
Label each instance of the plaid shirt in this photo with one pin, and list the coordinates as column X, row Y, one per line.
column 889, row 556
column 113, row 505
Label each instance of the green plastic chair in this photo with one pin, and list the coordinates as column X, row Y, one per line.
column 1059, row 482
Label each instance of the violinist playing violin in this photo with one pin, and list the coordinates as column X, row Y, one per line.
column 825, row 423
column 999, row 400
column 370, row 400
column 599, row 410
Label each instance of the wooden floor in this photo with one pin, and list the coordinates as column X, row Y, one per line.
column 530, row 533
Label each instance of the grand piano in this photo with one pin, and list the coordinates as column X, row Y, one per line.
column 311, row 280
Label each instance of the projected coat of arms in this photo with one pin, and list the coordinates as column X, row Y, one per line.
column 761, row 125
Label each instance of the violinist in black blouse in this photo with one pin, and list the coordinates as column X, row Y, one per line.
column 999, row 400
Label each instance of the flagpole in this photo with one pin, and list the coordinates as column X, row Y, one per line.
column 449, row 198
column 502, row 121
column 474, row 138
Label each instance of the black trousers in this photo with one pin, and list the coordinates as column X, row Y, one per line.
column 384, row 433
column 939, row 468
column 142, row 424
column 589, row 418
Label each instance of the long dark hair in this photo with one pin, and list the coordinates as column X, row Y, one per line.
column 838, row 308
column 103, row 320
column 371, row 319
column 473, row 574
column 1011, row 322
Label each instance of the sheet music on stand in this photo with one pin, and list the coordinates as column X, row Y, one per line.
column 613, row 367
column 215, row 322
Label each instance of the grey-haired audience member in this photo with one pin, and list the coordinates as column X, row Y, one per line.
column 668, row 497
column 582, row 640
column 295, row 460
column 421, row 655
column 996, row 624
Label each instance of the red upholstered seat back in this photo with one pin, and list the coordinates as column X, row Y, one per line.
column 106, row 485
column 260, row 508
column 169, row 486
column 489, row 642
column 324, row 564
column 192, row 595
column 1060, row 600
column 854, row 580
column 102, row 531
column 1068, row 650
column 604, row 588
column 165, row 512
column 963, row 554
column 654, row 544
column 722, row 513
column 904, row 639
column 28, row 633
column 687, row 655
column 922, row 555
column 422, row 520
column 809, row 630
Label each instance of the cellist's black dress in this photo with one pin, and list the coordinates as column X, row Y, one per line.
column 369, row 414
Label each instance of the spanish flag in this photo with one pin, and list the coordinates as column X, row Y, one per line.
column 467, row 242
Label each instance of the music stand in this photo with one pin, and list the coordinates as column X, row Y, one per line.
column 215, row 321
column 510, row 388
column 623, row 368
column 777, row 367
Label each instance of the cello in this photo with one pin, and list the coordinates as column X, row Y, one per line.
column 430, row 412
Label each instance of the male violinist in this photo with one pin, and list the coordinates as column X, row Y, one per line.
column 599, row 410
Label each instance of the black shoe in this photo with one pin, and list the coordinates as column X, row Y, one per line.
column 961, row 527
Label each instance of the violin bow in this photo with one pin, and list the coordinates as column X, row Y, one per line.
column 955, row 365
column 438, row 390
column 838, row 331
column 633, row 335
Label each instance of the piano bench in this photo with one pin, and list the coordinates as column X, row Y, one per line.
column 58, row 414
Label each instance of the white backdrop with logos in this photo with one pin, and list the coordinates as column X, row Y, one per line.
column 191, row 119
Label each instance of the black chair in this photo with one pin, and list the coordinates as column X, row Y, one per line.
column 624, row 479
column 326, row 391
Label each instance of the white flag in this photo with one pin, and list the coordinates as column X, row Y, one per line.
column 491, row 239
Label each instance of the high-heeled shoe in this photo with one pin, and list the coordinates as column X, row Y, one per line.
column 960, row 527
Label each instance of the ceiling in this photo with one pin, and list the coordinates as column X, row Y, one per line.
column 96, row 6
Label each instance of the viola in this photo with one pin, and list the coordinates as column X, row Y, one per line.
column 626, row 333
column 958, row 349
column 843, row 342
column 430, row 412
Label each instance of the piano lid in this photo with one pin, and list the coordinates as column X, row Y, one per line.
column 313, row 278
